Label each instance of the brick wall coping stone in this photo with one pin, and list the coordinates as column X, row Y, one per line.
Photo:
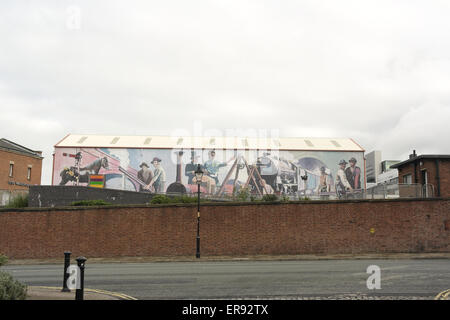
column 216, row 204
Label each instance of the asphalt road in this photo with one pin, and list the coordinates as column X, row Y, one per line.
column 415, row 278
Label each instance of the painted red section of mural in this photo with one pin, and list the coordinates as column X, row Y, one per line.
column 77, row 167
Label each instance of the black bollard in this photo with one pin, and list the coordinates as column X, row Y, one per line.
column 66, row 275
column 80, row 287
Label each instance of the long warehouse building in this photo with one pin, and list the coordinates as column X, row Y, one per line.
column 164, row 164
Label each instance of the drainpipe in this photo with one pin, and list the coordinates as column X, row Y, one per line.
column 438, row 180
column 53, row 169
column 416, row 180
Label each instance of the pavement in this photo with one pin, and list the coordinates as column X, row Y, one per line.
column 302, row 257
column 55, row 293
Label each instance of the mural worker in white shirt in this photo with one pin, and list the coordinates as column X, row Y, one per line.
column 212, row 166
column 159, row 177
column 342, row 184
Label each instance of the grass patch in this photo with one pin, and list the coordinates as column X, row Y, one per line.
column 90, row 203
column 20, row 201
column 160, row 198
column 270, row 197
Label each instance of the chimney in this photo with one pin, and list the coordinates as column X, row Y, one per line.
column 179, row 155
column 413, row 155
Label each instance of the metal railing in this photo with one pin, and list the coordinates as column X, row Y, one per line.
column 391, row 191
column 382, row 191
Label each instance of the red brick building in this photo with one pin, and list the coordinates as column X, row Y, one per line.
column 429, row 170
column 19, row 166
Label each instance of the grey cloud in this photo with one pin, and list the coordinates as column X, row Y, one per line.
column 378, row 72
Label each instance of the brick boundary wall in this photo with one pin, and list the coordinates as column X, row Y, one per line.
column 304, row 227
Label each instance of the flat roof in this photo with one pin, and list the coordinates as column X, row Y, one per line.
column 183, row 142
column 423, row 156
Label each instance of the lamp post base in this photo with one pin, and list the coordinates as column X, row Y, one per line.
column 197, row 255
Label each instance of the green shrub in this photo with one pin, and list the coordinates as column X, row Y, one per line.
column 90, row 203
column 183, row 199
column 243, row 194
column 11, row 289
column 160, row 198
column 3, row 259
column 20, row 201
column 187, row 199
column 285, row 198
column 270, row 197
column 227, row 196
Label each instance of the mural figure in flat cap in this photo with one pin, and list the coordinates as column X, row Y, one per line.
column 353, row 174
column 159, row 176
column 145, row 175
column 342, row 184
column 190, row 168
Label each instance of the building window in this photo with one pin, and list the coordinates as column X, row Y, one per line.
column 11, row 169
column 407, row 179
column 29, row 173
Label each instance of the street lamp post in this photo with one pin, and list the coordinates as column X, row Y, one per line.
column 199, row 176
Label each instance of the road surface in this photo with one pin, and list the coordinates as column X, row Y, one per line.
column 414, row 279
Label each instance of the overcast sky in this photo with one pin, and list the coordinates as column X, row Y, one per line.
column 375, row 71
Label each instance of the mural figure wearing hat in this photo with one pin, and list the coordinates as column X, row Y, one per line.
column 145, row 175
column 324, row 181
column 159, row 177
column 189, row 171
column 353, row 174
column 342, row 184
column 212, row 166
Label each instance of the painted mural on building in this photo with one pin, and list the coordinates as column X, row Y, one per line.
column 166, row 170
